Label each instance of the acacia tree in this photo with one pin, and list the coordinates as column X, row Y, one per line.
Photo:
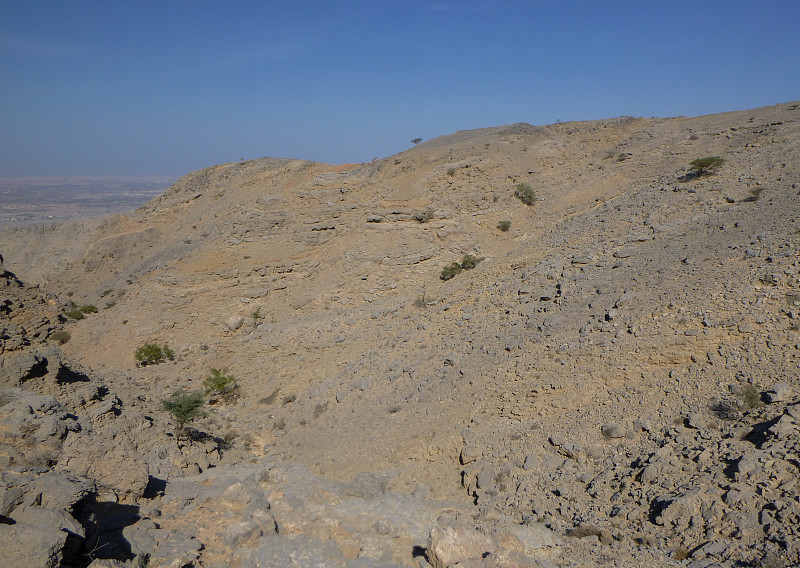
column 416, row 141
column 184, row 407
column 706, row 166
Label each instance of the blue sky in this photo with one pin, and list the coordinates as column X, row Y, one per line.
column 139, row 87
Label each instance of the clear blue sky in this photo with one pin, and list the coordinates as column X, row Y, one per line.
column 140, row 87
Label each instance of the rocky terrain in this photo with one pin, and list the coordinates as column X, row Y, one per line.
column 612, row 381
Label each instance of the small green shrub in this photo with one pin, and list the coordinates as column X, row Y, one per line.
column 526, row 193
column 755, row 193
column 60, row 336
column 467, row 263
column 450, row 271
column 78, row 312
column 221, row 384
column 257, row 314
column 153, row 354
column 451, row 172
column 706, row 166
column 184, row 406
column 504, row 225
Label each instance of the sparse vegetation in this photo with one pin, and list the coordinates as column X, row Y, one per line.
column 61, row 336
column 747, row 397
column 257, row 314
column 467, row 263
column 153, row 354
column 725, row 410
column 184, row 407
column 78, row 312
column 755, row 193
column 424, row 216
column 319, row 409
column 451, row 270
column 221, row 384
column 504, row 225
column 416, row 141
column 525, row 193
column 706, row 166
column 271, row 398
column 451, row 172
column 750, row 396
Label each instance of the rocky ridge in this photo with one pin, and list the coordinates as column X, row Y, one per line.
column 615, row 384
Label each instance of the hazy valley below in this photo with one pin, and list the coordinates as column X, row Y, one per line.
column 33, row 199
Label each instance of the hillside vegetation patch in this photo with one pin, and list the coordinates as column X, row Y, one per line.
column 468, row 262
column 526, row 193
column 153, row 354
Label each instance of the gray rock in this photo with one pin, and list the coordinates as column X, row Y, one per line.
column 234, row 322
column 525, row 538
column 61, row 491
column 37, row 543
column 581, row 259
column 780, row 392
column 696, row 421
column 18, row 367
column 470, row 453
column 531, row 462
column 625, row 253
column 291, row 551
column 612, row 430
column 110, row 460
column 448, row 546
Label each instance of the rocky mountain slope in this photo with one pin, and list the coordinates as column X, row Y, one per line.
column 615, row 383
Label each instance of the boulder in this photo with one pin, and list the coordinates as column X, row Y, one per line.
column 234, row 322
column 111, row 460
column 448, row 546
column 780, row 392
